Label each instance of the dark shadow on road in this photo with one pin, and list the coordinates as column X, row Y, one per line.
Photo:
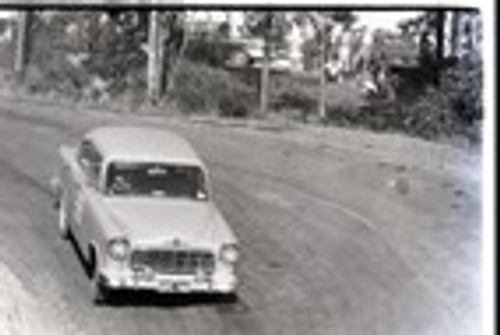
column 138, row 299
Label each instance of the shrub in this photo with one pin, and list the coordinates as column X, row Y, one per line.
column 454, row 108
column 289, row 92
column 198, row 88
column 57, row 76
column 462, row 84
column 214, row 52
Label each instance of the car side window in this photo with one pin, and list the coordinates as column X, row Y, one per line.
column 90, row 161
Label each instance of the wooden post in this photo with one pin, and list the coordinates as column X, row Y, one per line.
column 153, row 59
column 322, row 65
column 265, row 70
column 440, row 35
column 264, row 82
column 455, row 34
column 21, row 45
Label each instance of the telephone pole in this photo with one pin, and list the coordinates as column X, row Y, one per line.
column 22, row 44
column 322, row 65
column 265, row 69
column 154, row 59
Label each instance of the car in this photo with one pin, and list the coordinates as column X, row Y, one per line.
column 137, row 202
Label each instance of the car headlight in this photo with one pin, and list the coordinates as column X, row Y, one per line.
column 229, row 253
column 119, row 249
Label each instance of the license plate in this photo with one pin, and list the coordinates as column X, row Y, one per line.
column 181, row 287
column 166, row 285
column 143, row 277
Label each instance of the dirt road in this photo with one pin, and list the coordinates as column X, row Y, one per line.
column 343, row 232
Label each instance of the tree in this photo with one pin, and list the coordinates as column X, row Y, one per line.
column 452, row 102
column 117, row 47
column 22, row 42
column 113, row 42
column 323, row 24
column 272, row 28
column 173, row 44
column 429, row 29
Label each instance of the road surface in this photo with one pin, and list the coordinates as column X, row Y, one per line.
column 343, row 232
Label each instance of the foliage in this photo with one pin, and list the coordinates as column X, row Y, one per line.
column 311, row 47
column 199, row 88
column 292, row 93
column 452, row 103
column 463, row 84
column 111, row 51
column 310, row 54
column 59, row 77
column 107, row 49
column 114, row 46
column 296, row 93
column 50, row 70
column 4, row 24
column 213, row 52
column 270, row 26
column 453, row 109
column 456, row 107
column 110, row 44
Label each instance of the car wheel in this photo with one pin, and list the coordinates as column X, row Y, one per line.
column 63, row 219
column 100, row 292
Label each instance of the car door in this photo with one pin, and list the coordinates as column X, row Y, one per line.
column 85, row 185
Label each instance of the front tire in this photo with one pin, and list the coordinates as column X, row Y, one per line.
column 100, row 292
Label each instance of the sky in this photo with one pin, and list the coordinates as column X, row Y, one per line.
column 381, row 19
column 5, row 13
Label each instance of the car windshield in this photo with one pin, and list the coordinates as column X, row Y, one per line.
column 159, row 180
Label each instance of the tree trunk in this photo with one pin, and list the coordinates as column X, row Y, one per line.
column 440, row 20
column 172, row 61
column 153, row 59
column 22, row 44
column 455, row 37
column 264, row 83
column 322, row 76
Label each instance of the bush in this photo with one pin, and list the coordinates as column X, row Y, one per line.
column 454, row 108
column 57, row 76
column 462, row 85
column 294, row 93
column 301, row 93
column 214, row 52
column 198, row 88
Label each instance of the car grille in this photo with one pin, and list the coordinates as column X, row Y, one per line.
column 174, row 261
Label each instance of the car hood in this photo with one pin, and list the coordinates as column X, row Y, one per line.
column 190, row 223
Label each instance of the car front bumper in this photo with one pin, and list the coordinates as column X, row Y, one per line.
column 217, row 283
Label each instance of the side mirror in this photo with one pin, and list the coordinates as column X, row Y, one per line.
column 201, row 195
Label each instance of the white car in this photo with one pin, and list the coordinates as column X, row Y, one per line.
column 138, row 203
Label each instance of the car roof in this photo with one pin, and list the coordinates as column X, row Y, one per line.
column 143, row 144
